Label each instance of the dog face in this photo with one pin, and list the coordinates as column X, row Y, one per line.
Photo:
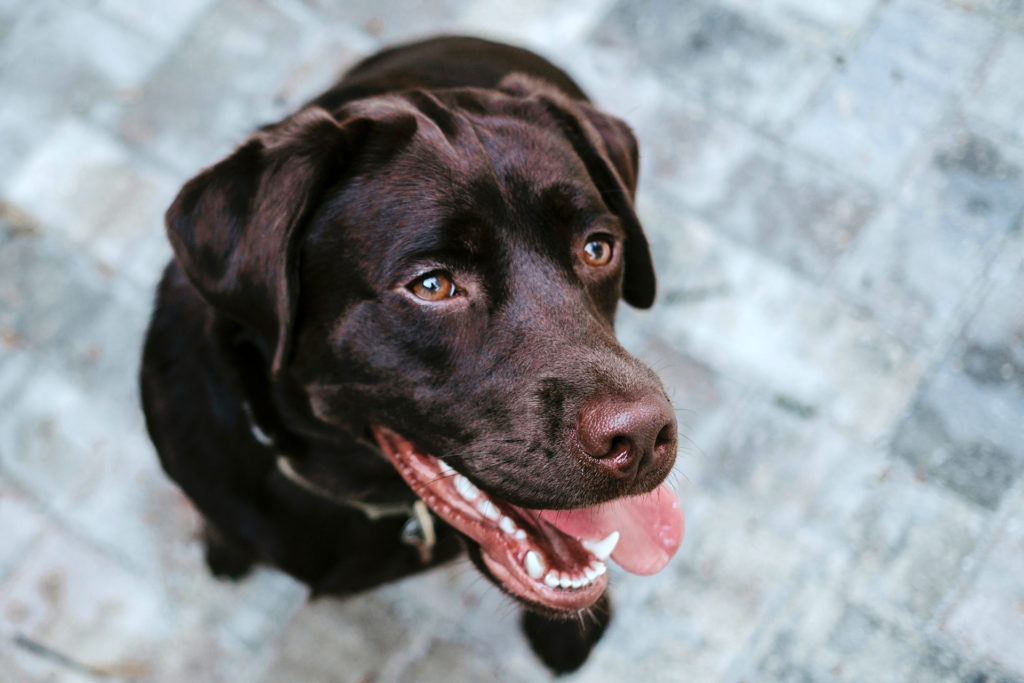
column 439, row 273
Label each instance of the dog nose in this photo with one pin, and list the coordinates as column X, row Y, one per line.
column 629, row 438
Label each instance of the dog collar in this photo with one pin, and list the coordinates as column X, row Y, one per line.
column 418, row 530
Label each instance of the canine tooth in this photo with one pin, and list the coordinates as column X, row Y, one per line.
column 603, row 548
column 466, row 488
column 551, row 579
column 519, row 535
column 534, row 565
column 509, row 527
column 446, row 469
column 488, row 509
column 565, row 581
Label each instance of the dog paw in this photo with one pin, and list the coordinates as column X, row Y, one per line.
column 564, row 644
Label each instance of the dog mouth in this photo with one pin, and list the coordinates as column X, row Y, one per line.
column 554, row 559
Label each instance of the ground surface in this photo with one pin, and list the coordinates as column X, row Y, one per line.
column 834, row 192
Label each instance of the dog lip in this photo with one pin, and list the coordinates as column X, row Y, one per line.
column 573, row 577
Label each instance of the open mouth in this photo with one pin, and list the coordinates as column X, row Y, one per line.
column 555, row 559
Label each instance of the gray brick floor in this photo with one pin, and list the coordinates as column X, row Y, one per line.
column 834, row 192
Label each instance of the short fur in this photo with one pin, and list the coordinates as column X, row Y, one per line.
column 284, row 308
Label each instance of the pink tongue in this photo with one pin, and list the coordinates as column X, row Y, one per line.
column 650, row 528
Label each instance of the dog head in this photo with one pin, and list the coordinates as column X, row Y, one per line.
column 439, row 272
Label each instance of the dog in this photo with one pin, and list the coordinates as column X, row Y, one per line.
column 386, row 338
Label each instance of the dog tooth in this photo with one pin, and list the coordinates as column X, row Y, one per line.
column 590, row 573
column 599, row 567
column 508, row 526
column 551, row 579
column 519, row 535
column 466, row 488
column 577, row 582
column 565, row 581
column 446, row 469
column 488, row 509
column 603, row 548
column 534, row 565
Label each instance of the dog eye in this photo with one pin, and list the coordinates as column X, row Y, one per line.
column 597, row 252
column 435, row 286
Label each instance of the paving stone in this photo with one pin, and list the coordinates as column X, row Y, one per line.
column 908, row 556
column 87, row 187
column 831, row 21
column 997, row 97
column 833, row 197
column 707, row 603
column 23, row 121
column 549, row 26
column 893, row 88
column 989, row 616
column 1009, row 13
column 54, row 444
column 785, row 206
column 94, row 334
column 75, row 602
column 445, row 662
column 801, row 216
column 799, row 476
column 392, row 20
column 717, row 53
column 917, row 264
column 354, row 639
column 22, row 524
column 239, row 68
column 37, row 311
column 165, row 23
column 820, row 635
column 752, row 319
column 966, row 427
column 57, row 59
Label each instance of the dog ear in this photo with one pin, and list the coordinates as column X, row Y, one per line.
column 609, row 150
column 234, row 226
column 621, row 152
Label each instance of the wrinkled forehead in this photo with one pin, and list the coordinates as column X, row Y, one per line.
column 469, row 181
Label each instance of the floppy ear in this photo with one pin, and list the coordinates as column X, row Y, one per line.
column 233, row 226
column 609, row 151
column 621, row 152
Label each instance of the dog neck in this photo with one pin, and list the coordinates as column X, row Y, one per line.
column 418, row 531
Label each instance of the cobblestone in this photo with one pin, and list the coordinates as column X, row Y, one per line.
column 834, row 196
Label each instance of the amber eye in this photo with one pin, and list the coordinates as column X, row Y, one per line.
column 597, row 252
column 435, row 286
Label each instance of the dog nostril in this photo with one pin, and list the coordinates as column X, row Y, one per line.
column 666, row 437
column 620, row 447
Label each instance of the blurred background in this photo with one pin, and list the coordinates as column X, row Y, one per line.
column 834, row 193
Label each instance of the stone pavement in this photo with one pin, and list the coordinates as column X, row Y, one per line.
column 834, row 192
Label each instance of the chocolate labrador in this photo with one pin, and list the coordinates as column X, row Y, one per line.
column 386, row 338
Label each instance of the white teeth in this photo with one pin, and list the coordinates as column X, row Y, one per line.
column 565, row 581
column 534, row 565
column 488, row 509
column 509, row 527
column 603, row 548
column 446, row 469
column 519, row 535
column 600, row 568
column 578, row 581
column 465, row 488
column 590, row 573
column 551, row 579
